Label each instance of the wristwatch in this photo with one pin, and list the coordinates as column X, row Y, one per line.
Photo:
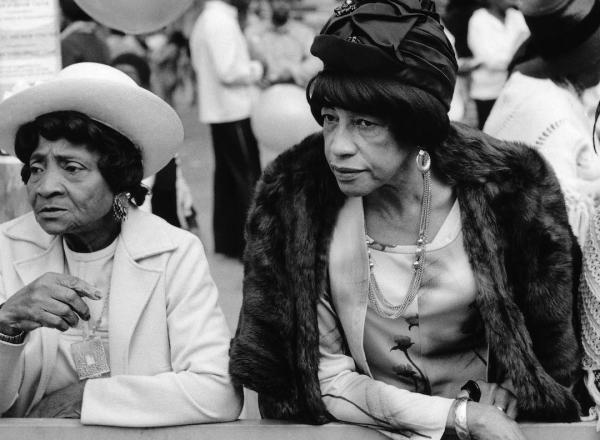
column 16, row 339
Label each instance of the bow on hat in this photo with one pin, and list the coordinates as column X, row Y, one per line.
column 403, row 38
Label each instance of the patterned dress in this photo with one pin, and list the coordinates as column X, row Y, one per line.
column 438, row 343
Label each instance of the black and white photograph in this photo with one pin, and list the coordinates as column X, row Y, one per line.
column 299, row 219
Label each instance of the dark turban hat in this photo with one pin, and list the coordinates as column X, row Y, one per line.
column 399, row 38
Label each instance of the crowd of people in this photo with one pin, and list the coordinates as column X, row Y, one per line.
column 232, row 51
column 402, row 271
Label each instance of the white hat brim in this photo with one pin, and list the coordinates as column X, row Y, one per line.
column 144, row 118
column 134, row 16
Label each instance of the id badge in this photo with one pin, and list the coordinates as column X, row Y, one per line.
column 90, row 358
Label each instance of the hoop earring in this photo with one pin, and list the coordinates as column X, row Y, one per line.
column 423, row 161
column 120, row 207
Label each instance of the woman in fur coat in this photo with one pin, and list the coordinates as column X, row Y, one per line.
column 401, row 272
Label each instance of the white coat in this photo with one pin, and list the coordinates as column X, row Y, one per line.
column 168, row 339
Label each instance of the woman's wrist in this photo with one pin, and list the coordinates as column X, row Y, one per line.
column 461, row 425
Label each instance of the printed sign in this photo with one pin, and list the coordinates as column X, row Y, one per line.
column 29, row 42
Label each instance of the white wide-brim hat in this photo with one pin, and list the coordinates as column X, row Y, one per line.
column 106, row 95
column 134, row 16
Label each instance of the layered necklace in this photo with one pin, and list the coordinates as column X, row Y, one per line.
column 380, row 304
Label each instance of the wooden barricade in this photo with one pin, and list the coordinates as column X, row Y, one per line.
column 49, row 429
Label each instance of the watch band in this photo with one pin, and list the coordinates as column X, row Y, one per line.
column 460, row 419
column 16, row 339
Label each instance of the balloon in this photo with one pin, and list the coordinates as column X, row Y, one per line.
column 134, row 16
column 281, row 118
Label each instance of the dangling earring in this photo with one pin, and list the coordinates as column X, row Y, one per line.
column 594, row 135
column 381, row 305
column 120, row 207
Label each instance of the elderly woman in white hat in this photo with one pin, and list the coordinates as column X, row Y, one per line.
column 108, row 314
column 542, row 103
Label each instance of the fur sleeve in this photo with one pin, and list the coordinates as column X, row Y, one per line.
column 275, row 350
column 257, row 354
column 545, row 260
column 525, row 260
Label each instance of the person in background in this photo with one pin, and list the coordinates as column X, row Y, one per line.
column 81, row 38
column 108, row 314
column 495, row 33
column 170, row 197
column 135, row 66
column 456, row 18
column 166, row 62
column 284, row 44
column 553, row 90
column 589, row 312
column 398, row 264
column 120, row 43
column 542, row 106
column 226, row 75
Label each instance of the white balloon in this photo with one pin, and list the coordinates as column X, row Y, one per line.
column 135, row 16
column 281, row 118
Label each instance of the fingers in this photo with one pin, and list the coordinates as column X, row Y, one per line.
column 505, row 401
column 78, row 285
column 63, row 311
column 51, row 320
column 499, row 397
column 486, row 422
column 72, row 299
column 512, row 409
column 51, row 294
column 488, row 392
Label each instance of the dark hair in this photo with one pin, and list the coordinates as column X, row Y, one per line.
column 120, row 160
column 178, row 39
column 412, row 114
column 138, row 63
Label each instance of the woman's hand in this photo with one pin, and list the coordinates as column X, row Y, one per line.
column 486, row 422
column 499, row 397
column 63, row 404
column 53, row 300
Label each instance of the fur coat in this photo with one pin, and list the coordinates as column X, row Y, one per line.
column 516, row 234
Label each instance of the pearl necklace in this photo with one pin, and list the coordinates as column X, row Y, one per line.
column 380, row 304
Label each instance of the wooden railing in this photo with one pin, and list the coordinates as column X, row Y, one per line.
column 56, row 429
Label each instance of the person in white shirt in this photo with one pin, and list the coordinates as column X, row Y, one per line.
column 495, row 33
column 542, row 104
column 226, row 75
column 284, row 44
